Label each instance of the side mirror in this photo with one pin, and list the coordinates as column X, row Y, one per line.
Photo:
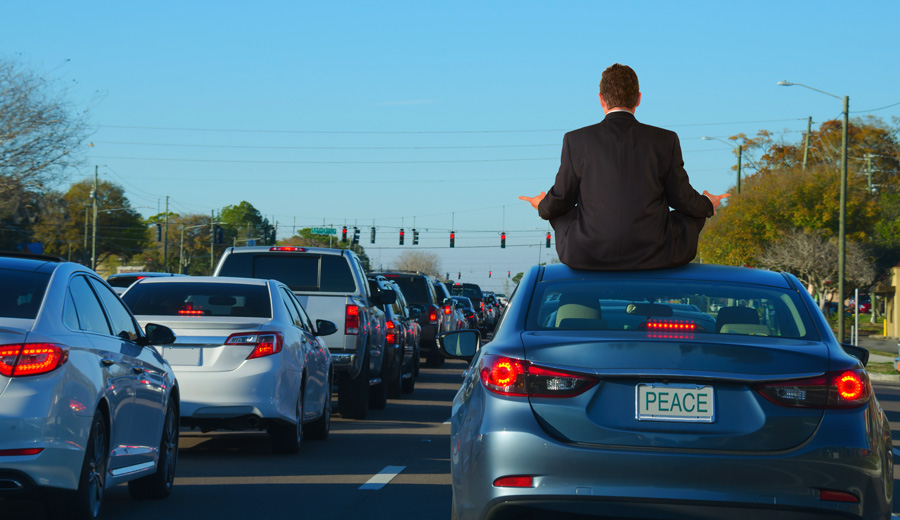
column 325, row 328
column 158, row 335
column 415, row 312
column 857, row 352
column 459, row 344
column 387, row 296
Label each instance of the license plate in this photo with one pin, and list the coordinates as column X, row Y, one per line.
column 183, row 356
column 681, row 402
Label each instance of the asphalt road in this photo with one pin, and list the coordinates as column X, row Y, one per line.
column 393, row 465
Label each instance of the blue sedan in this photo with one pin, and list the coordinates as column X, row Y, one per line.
column 601, row 397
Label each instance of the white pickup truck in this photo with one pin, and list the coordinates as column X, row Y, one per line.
column 331, row 284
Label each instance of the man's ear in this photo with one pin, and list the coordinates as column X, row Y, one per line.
column 638, row 100
column 603, row 103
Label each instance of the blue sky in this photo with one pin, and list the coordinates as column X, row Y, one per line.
column 431, row 115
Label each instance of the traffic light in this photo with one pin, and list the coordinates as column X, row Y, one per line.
column 508, row 274
column 415, row 237
column 269, row 236
column 372, row 235
column 458, row 276
column 489, row 273
column 401, row 236
column 548, row 240
column 453, row 239
column 218, row 234
column 344, row 234
column 158, row 233
column 503, row 240
column 355, row 235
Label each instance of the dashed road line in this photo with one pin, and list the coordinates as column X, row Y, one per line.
column 897, row 452
column 383, row 477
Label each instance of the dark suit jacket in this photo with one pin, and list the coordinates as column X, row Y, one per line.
column 610, row 204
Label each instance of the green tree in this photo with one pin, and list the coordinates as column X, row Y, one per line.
column 305, row 238
column 66, row 225
column 188, row 247
column 242, row 223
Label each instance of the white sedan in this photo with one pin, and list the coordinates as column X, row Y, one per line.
column 247, row 355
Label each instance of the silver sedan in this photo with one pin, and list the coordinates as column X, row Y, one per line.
column 86, row 403
column 598, row 397
column 247, row 355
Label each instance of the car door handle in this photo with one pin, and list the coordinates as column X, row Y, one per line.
column 107, row 362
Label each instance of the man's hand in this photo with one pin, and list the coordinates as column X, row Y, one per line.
column 715, row 199
column 534, row 201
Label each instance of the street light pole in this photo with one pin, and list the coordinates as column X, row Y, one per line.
column 94, row 231
column 842, row 222
column 740, row 150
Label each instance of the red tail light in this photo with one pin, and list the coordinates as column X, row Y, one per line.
column 288, row 248
column 351, row 320
column 264, row 343
column 448, row 310
column 840, row 389
column 189, row 309
column 31, row 359
column 671, row 325
column 838, row 496
column 433, row 315
column 519, row 481
column 509, row 376
column 20, row 452
column 391, row 336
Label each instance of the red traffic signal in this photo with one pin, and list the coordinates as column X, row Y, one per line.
column 548, row 240
column 503, row 240
column 453, row 239
column 402, row 234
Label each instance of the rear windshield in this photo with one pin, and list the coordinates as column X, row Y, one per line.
column 122, row 281
column 301, row 272
column 468, row 291
column 676, row 308
column 415, row 288
column 199, row 299
column 22, row 293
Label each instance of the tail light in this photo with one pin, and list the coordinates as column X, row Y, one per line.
column 351, row 320
column 433, row 315
column 518, row 481
column 31, row 359
column 670, row 325
column 482, row 307
column 20, row 452
column 515, row 377
column 189, row 309
column 288, row 248
column 264, row 343
column 840, row 389
column 448, row 310
column 391, row 336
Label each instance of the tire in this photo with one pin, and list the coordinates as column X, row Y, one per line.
column 433, row 359
column 395, row 380
column 159, row 484
column 318, row 429
column 353, row 394
column 87, row 501
column 378, row 393
column 286, row 437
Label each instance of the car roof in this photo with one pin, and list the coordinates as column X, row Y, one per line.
column 143, row 274
column 206, row 279
column 300, row 249
column 29, row 262
column 695, row 272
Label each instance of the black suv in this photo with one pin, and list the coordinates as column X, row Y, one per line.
column 473, row 292
column 419, row 290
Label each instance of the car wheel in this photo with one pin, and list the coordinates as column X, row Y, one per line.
column 353, row 394
column 159, row 484
column 286, row 437
column 378, row 393
column 87, row 501
column 395, row 383
column 433, row 359
column 318, row 429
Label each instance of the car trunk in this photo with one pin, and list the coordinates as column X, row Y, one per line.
column 676, row 393
column 200, row 342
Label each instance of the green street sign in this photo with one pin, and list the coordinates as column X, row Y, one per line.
column 324, row 231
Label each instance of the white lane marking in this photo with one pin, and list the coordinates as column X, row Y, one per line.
column 448, row 421
column 386, row 475
column 897, row 452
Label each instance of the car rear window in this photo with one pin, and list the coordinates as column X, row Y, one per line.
column 415, row 288
column 199, row 299
column 670, row 308
column 122, row 281
column 300, row 271
column 22, row 293
column 468, row 291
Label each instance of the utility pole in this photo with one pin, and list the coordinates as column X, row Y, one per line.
column 806, row 142
column 85, row 249
column 740, row 153
column 869, row 171
column 94, row 233
column 212, row 241
column 166, row 240
column 181, row 253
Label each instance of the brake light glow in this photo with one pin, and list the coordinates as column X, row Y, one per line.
column 31, row 359
column 515, row 377
column 20, row 452
column 433, row 315
column 189, row 309
column 840, row 389
column 351, row 320
column 448, row 309
column 288, row 248
column 518, row 481
column 671, row 325
column 264, row 343
column 391, row 336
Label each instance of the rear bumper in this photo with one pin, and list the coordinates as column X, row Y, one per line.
column 617, row 482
